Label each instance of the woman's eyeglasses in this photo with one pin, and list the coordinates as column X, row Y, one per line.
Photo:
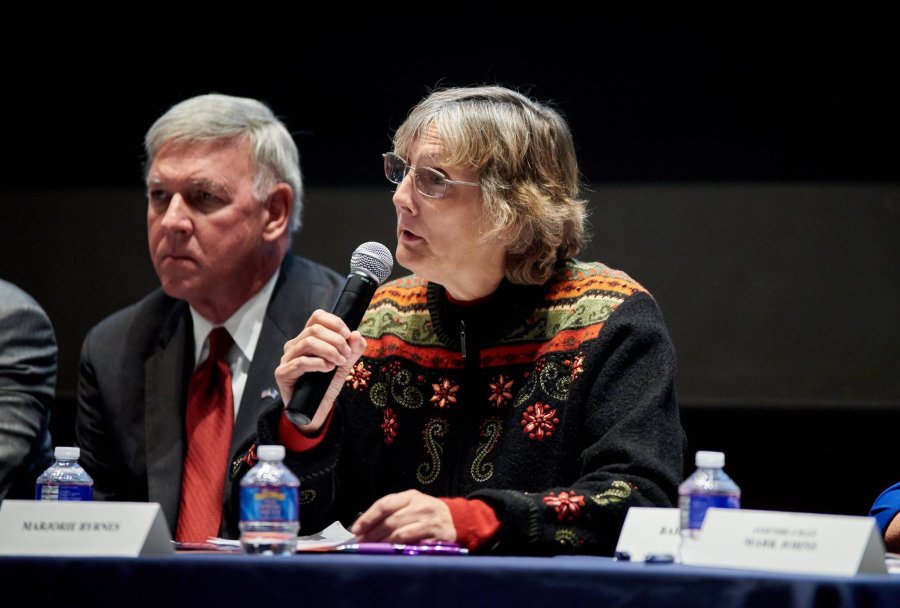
column 429, row 182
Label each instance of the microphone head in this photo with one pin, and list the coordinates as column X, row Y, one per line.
column 373, row 259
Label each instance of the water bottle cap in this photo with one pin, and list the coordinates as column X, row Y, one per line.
column 270, row 452
column 67, row 453
column 710, row 460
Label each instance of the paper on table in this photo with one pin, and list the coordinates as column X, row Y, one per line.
column 326, row 540
column 329, row 538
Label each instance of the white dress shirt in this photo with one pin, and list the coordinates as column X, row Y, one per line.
column 244, row 326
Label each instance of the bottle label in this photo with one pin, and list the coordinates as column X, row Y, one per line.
column 63, row 492
column 269, row 503
column 694, row 506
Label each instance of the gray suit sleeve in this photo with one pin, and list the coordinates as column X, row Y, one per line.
column 27, row 382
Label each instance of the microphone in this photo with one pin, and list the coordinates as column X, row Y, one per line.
column 370, row 265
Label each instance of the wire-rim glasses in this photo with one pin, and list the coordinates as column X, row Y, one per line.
column 429, row 182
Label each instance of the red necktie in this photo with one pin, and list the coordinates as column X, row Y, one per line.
column 209, row 421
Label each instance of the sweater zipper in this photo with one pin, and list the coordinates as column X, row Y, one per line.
column 468, row 384
column 462, row 338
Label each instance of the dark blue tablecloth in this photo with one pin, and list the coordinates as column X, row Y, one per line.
column 200, row 580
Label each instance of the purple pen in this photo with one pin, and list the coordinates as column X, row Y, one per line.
column 439, row 548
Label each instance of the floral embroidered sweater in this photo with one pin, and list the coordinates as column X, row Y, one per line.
column 554, row 404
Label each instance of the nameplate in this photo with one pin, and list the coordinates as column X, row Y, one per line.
column 649, row 530
column 45, row 527
column 805, row 543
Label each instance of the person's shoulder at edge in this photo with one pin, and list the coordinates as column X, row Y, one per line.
column 28, row 364
column 14, row 297
column 885, row 510
column 886, row 505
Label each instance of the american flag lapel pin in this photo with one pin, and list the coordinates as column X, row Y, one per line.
column 271, row 393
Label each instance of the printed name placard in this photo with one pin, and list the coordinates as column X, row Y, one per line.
column 649, row 530
column 807, row 543
column 45, row 527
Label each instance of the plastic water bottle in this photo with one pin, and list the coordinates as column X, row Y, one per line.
column 708, row 486
column 270, row 507
column 65, row 479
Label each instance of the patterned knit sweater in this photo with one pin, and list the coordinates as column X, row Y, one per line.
column 555, row 404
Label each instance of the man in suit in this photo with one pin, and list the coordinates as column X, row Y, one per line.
column 27, row 387
column 224, row 194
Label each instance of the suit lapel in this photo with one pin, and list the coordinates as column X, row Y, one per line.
column 166, row 372
column 284, row 319
column 288, row 310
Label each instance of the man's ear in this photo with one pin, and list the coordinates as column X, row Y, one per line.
column 279, row 206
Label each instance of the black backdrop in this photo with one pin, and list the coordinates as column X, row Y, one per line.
column 748, row 98
column 744, row 169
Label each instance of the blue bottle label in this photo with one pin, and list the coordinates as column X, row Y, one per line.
column 269, row 503
column 63, row 492
column 699, row 503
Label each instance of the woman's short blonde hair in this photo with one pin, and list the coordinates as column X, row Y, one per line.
column 525, row 158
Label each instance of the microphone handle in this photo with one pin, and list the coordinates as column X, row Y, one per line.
column 310, row 388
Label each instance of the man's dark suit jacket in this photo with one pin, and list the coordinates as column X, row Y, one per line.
column 27, row 388
column 133, row 379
